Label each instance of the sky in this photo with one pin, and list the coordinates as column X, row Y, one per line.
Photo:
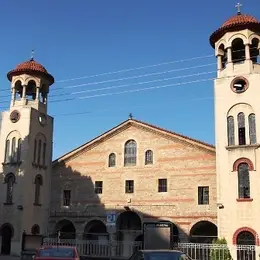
column 112, row 58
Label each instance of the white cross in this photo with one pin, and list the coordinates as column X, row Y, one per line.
column 238, row 5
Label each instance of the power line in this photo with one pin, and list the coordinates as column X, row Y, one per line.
column 130, row 91
column 145, row 67
column 137, row 68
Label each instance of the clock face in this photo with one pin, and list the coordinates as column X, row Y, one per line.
column 15, row 116
column 42, row 119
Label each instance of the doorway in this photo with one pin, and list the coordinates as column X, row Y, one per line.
column 6, row 234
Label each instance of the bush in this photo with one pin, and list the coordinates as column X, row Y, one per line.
column 220, row 250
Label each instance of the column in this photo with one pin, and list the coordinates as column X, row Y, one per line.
column 24, row 92
column 229, row 55
column 37, row 93
column 13, row 95
column 247, row 50
column 219, row 57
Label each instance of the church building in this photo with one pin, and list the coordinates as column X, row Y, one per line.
column 137, row 172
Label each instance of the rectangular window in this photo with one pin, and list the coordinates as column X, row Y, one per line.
column 66, row 198
column 129, row 186
column 162, row 185
column 203, row 195
column 98, row 187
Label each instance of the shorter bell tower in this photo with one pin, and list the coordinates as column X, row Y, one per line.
column 26, row 156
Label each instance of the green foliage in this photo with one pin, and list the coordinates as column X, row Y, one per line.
column 220, row 250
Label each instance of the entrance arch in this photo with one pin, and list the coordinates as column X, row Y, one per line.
column 6, row 232
column 246, row 239
column 128, row 225
column 95, row 230
column 128, row 220
column 203, row 232
column 66, row 229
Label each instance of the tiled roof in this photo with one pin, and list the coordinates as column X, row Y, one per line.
column 235, row 23
column 30, row 67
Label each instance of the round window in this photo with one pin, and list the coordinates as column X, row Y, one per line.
column 239, row 85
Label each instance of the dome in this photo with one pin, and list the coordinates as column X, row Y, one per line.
column 235, row 23
column 30, row 67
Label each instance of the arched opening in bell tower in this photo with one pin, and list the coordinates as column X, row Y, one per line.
column 222, row 52
column 238, row 51
column 18, row 90
column 254, row 50
column 31, row 90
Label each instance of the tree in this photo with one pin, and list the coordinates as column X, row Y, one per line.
column 220, row 250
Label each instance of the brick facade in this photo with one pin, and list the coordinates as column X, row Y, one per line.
column 185, row 163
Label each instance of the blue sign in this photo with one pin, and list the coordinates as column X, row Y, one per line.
column 111, row 218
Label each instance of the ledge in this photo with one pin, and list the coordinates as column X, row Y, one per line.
column 37, row 204
column 245, row 200
column 8, row 203
column 11, row 163
column 39, row 166
column 252, row 146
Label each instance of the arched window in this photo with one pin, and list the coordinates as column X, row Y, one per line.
column 231, row 130
column 19, row 150
column 13, row 150
column 38, row 183
column 241, row 128
column 35, row 229
column 254, row 50
column 39, row 152
column 149, row 157
column 35, row 150
column 13, row 145
column 112, row 160
column 243, row 181
column 9, row 180
column 238, row 51
column 7, row 151
column 40, row 146
column 252, row 128
column 130, row 153
column 44, row 154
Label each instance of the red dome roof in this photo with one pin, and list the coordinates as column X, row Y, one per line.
column 235, row 23
column 30, row 67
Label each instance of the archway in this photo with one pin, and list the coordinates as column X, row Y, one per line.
column 246, row 239
column 128, row 220
column 6, row 233
column 66, row 229
column 128, row 226
column 203, row 232
column 95, row 230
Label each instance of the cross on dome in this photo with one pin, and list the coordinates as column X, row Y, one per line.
column 32, row 54
column 238, row 6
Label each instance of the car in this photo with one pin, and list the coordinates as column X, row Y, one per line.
column 57, row 253
column 159, row 255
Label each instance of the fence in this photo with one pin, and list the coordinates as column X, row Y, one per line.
column 124, row 249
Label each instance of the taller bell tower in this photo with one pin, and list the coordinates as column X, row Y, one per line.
column 25, row 156
column 237, row 128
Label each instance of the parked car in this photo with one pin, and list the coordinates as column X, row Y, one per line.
column 57, row 252
column 159, row 255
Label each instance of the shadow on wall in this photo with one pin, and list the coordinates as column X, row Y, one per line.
column 14, row 187
column 78, row 211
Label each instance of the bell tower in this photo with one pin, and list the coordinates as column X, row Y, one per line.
column 26, row 156
column 237, row 128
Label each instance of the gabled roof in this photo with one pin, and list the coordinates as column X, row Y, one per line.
column 126, row 124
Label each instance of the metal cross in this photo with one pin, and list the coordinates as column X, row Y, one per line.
column 32, row 54
column 238, row 6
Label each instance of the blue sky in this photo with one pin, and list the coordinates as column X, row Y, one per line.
column 81, row 38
